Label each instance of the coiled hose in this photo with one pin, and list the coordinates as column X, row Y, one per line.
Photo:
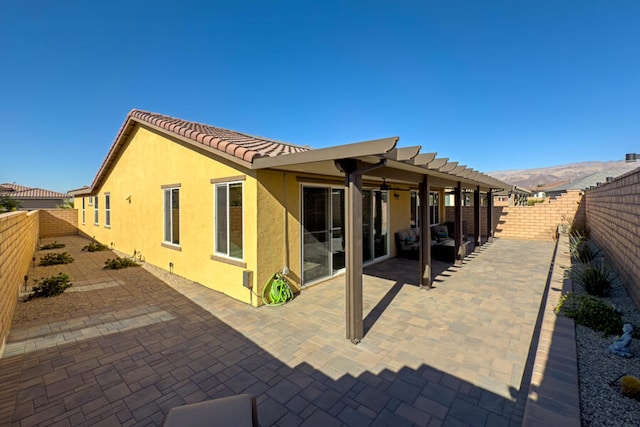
column 276, row 291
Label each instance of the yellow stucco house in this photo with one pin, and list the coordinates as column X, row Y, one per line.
column 228, row 210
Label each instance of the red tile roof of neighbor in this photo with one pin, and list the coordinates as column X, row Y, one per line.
column 241, row 145
column 21, row 192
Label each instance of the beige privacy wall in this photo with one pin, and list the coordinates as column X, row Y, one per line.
column 613, row 217
column 540, row 221
column 537, row 222
column 58, row 222
column 18, row 240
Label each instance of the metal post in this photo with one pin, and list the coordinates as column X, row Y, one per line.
column 458, row 224
column 353, row 252
column 476, row 218
column 489, row 216
column 425, row 234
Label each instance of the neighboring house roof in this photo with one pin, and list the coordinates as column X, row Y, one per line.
column 21, row 192
column 10, row 187
column 590, row 180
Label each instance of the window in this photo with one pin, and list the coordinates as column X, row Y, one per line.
column 107, row 210
column 228, row 219
column 90, row 201
column 83, row 212
column 172, row 215
column 95, row 210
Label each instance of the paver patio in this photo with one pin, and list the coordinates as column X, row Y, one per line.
column 452, row 355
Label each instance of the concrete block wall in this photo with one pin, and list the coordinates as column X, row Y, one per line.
column 18, row 241
column 58, row 222
column 613, row 217
column 537, row 222
column 540, row 221
column 468, row 213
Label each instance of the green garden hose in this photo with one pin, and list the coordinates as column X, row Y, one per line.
column 279, row 291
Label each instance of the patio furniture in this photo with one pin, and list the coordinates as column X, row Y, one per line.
column 237, row 411
column 408, row 241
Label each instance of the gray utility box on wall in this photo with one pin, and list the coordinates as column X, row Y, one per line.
column 247, row 279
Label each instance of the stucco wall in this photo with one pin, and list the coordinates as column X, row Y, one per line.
column 150, row 161
column 18, row 240
column 58, row 222
column 613, row 218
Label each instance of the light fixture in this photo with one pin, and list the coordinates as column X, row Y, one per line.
column 631, row 157
column 396, row 196
column 384, row 186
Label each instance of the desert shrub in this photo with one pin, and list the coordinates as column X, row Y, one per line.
column 596, row 279
column 51, row 286
column 95, row 247
column 579, row 226
column 54, row 245
column 580, row 248
column 56, row 258
column 118, row 263
column 630, row 387
column 590, row 311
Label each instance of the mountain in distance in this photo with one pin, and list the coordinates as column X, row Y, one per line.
column 552, row 176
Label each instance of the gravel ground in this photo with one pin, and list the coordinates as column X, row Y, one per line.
column 601, row 401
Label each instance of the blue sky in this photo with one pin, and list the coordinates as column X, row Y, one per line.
column 493, row 85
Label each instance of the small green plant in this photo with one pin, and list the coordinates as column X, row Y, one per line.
column 51, row 286
column 118, row 263
column 95, row 247
column 590, row 311
column 54, row 245
column 596, row 279
column 56, row 258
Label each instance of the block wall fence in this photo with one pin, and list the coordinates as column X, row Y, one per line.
column 18, row 240
column 58, row 222
column 613, row 217
column 537, row 222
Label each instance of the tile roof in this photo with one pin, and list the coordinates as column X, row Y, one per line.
column 21, row 192
column 240, row 145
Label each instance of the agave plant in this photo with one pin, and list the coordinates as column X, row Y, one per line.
column 581, row 248
column 595, row 278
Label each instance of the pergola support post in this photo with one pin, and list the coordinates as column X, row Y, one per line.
column 476, row 218
column 425, row 234
column 489, row 216
column 458, row 225
column 353, row 245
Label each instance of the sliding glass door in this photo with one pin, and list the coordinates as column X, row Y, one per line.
column 323, row 230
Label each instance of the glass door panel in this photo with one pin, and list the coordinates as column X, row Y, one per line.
column 337, row 229
column 366, row 225
column 380, row 223
column 316, row 245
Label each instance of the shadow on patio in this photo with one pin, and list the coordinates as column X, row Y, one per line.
column 136, row 347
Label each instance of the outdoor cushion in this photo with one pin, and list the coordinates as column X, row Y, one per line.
column 228, row 411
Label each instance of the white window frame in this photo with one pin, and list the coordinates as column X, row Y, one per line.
column 107, row 210
column 90, row 202
column 96, row 211
column 168, row 190
column 226, row 184
column 83, row 211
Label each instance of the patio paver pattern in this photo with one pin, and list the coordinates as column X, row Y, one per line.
column 454, row 355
